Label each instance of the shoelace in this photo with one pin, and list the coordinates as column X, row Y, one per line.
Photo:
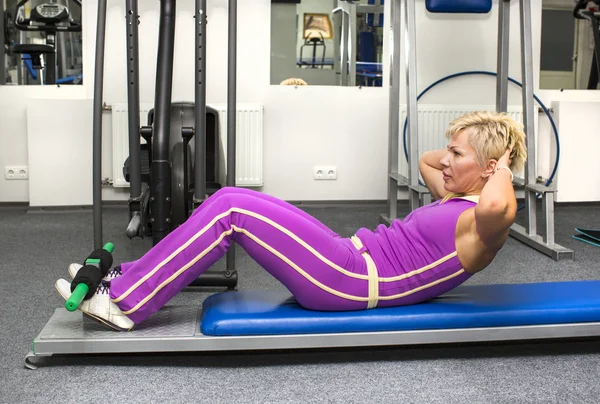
column 103, row 288
column 116, row 271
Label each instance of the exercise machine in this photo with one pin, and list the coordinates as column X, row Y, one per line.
column 175, row 163
column 52, row 21
column 313, row 62
column 419, row 195
column 583, row 11
column 271, row 320
column 348, row 43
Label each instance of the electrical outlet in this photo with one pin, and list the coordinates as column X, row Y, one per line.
column 16, row 172
column 325, row 173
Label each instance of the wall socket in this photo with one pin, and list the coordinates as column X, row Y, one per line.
column 16, row 172
column 325, row 172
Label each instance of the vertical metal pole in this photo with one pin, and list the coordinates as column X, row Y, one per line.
column 528, row 114
column 200, row 102
column 352, row 45
column 345, row 47
column 337, row 43
column 548, row 206
column 50, row 68
column 24, row 76
column 160, row 193
column 61, row 69
column 61, row 40
column 394, row 108
column 593, row 85
column 97, row 124
column 503, row 56
column 231, row 112
column 2, row 39
column 411, row 103
column 133, row 99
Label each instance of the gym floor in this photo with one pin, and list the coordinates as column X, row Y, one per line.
column 36, row 248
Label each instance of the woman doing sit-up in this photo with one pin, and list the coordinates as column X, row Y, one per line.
column 434, row 249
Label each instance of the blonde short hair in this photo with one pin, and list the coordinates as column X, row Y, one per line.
column 293, row 82
column 490, row 134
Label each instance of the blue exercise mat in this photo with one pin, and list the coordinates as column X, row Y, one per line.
column 277, row 313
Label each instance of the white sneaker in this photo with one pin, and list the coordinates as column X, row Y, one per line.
column 99, row 307
column 112, row 273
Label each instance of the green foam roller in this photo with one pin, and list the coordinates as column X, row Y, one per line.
column 76, row 297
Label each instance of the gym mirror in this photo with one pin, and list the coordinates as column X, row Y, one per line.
column 308, row 46
column 569, row 44
column 42, row 42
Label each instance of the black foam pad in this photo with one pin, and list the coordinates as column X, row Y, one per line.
column 89, row 275
column 106, row 260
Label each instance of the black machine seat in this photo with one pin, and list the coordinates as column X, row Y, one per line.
column 35, row 52
column 33, row 48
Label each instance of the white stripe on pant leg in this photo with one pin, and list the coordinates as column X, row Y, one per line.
column 263, row 244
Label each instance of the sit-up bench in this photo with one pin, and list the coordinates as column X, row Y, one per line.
column 259, row 320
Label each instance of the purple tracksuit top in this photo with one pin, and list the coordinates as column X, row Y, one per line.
column 424, row 239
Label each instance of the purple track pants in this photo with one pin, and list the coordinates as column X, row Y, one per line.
column 321, row 269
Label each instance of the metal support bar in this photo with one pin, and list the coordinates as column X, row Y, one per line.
column 503, row 55
column 97, row 124
column 548, row 206
column 2, row 40
column 344, row 48
column 217, row 278
column 555, row 251
column 394, row 111
column 160, row 193
column 527, row 93
column 528, row 113
column 338, row 20
column 50, row 68
column 61, row 40
column 596, row 65
column 352, row 47
column 528, row 234
column 133, row 116
column 231, row 113
column 133, row 98
column 200, row 102
column 411, row 101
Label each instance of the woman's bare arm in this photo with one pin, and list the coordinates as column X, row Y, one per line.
column 431, row 170
column 497, row 207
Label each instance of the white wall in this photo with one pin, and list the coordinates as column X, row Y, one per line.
column 578, row 182
column 307, row 126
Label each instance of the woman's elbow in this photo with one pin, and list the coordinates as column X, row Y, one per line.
column 501, row 209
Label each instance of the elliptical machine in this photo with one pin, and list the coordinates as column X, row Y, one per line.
column 585, row 11
column 49, row 19
column 175, row 187
column 182, row 158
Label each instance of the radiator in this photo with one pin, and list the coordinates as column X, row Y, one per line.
column 120, row 136
column 249, row 143
column 433, row 120
column 249, row 147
